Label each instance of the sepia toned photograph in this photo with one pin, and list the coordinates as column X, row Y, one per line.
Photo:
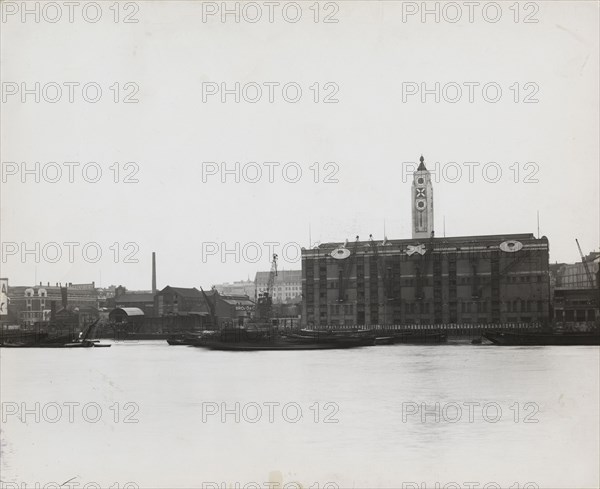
column 309, row 244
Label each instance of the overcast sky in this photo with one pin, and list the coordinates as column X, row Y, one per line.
column 370, row 61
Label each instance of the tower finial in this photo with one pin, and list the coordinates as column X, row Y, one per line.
column 421, row 159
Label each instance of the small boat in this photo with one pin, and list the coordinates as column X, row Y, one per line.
column 178, row 342
column 44, row 341
column 542, row 339
column 190, row 338
column 318, row 332
column 86, row 344
column 14, row 344
column 74, row 344
column 36, row 341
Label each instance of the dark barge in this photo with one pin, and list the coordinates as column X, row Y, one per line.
column 542, row 339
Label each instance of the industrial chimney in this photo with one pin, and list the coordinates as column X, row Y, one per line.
column 64, row 297
column 154, row 272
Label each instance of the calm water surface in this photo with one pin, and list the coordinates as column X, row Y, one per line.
column 154, row 415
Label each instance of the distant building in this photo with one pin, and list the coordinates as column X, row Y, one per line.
column 287, row 286
column 242, row 287
column 106, row 296
column 31, row 304
column 174, row 300
column 129, row 315
column 141, row 299
column 574, row 275
column 231, row 310
column 576, row 294
column 576, row 305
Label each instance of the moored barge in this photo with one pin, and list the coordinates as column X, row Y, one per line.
column 542, row 339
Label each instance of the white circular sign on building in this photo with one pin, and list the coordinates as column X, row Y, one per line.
column 340, row 253
column 511, row 246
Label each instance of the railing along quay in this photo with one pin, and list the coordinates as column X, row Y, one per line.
column 451, row 329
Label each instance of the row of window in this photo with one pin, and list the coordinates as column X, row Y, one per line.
column 31, row 315
column 576, row 315
column 523, row 306
column 423, row 307
column 416, row 320
column 524, row 278
column 281, row 289
column 426, row 281
column 31, row 293
column 346, row 309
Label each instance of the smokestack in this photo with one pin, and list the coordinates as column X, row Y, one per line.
column 63, row 293
column 153, row 272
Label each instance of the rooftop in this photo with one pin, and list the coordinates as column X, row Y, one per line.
column 282, row 276
column 458, row 242
column 135, row 297
column 183, row 291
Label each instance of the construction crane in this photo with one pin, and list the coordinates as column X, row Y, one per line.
column 264, row 302
column 588, row 272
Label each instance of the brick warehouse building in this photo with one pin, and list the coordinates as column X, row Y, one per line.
column 427, row 280
column 439, row 280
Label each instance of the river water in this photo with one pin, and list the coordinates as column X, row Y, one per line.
column 160, row 416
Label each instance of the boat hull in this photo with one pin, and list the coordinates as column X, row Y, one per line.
column 542, row 339
column 284, row 346
column 419, row 338
column 73, row 344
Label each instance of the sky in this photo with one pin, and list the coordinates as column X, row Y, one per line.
column 153, row 153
